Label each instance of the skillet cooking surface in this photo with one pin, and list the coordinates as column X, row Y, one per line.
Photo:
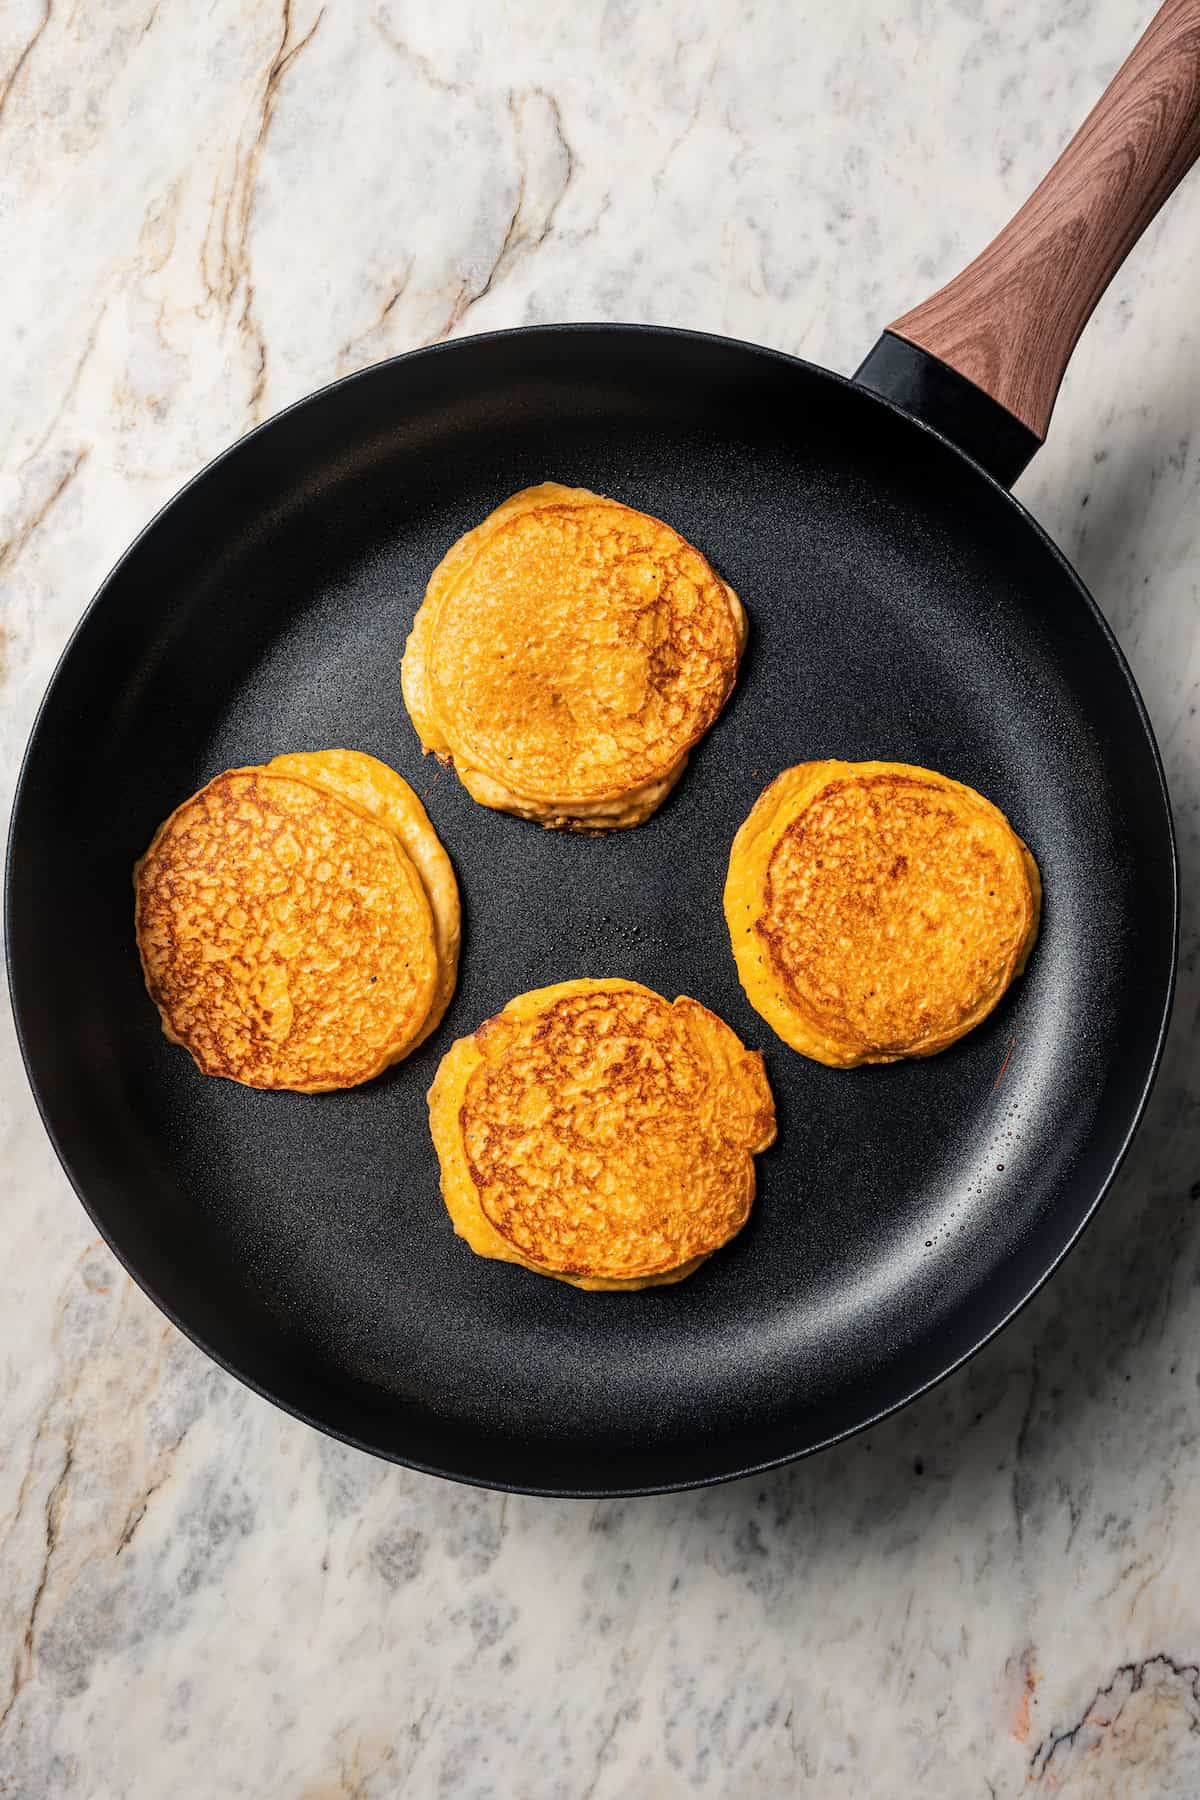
column 901, row 607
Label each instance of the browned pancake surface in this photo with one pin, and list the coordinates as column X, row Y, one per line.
column 285, row 937
column 877, row 910
column 568, row 654
column 601, row 1133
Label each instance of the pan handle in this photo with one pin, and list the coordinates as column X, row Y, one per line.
column 982, row 359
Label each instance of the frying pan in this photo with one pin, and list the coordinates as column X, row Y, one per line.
column 903, row 606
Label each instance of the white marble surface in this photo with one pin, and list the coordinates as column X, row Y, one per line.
column 207, row 210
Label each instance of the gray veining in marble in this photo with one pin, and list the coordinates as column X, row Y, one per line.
column 206, row 211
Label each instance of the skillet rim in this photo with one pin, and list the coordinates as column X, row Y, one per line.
column 595, row 330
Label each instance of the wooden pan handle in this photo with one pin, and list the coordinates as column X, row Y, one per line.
column 1010, row 321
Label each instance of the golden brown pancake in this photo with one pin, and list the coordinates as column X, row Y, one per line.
column 287, row 935
column 567, row 655
column 877, row 910
column 595, row 1132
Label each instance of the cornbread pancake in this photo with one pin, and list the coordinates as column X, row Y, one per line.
column 568, row 654
column 595, row 1132
column 877, row 910
column 376, row 790
column 287, row 935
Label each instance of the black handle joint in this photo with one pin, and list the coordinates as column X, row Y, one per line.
column 939, row 396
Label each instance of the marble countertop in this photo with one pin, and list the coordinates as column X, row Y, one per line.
column 207, row 211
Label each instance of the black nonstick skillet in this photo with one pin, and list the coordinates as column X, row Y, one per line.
column 903, row 606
